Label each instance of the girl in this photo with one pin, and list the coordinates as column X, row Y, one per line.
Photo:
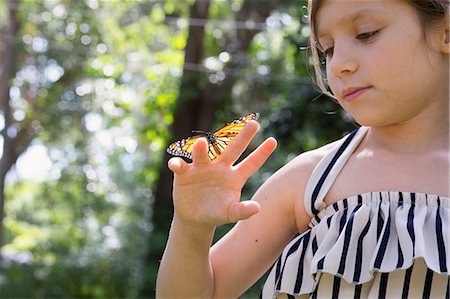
column 366, row 216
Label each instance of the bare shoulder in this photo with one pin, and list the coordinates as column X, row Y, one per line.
column 288, row 185
column 297, row 171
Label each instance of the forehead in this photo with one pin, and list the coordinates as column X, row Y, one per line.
column 332, row 13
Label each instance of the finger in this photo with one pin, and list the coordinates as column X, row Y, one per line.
column 177, row 165
column 256, row 159
column 238, row 145
column 243, row 210
column 200, row 152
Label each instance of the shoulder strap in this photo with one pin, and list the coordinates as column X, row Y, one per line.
column 327, row 170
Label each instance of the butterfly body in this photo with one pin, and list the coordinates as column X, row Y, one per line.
column 217, row 141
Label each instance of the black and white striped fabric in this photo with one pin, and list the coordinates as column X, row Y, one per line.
column 372, row 245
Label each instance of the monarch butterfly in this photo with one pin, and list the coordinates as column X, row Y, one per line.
column 217, row 141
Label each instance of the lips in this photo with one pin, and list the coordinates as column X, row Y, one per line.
column 352, row 93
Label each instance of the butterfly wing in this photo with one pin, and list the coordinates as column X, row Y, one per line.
column 183, row 147
column 222, row 137
column 217, row 141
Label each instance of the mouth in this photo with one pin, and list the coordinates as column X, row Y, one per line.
column 352, row 93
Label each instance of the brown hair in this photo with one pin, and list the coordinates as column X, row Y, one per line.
column 430, row 12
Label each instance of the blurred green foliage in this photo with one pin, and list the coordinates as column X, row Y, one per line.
column 99, row 81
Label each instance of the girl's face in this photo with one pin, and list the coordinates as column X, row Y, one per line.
column 378, row 64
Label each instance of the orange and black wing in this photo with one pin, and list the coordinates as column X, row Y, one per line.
column 222, row 137
column 217, row 141
column 183, row 147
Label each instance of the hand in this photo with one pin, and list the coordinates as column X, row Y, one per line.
column 207, row 193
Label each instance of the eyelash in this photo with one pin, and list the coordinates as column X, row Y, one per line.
column 366, row 36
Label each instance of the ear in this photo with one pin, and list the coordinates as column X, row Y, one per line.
column 444, row 40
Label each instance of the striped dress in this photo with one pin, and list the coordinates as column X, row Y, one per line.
column 372, row 245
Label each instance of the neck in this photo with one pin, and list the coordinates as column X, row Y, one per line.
column 424, row 133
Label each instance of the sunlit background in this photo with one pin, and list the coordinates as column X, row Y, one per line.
column 92, row 92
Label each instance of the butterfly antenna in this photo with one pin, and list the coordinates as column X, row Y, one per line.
column 198, row 132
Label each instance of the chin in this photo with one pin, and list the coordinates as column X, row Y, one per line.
column 369, row 121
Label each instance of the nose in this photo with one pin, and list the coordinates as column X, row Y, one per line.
column 343, row 61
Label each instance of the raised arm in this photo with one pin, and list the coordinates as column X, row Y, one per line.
column 207, row 194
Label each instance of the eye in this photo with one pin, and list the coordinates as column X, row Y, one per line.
column 325, row 54
column 367, row 35
column 328, row 52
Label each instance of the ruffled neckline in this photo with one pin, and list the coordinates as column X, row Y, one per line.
column 363, row 234
column 375, row 197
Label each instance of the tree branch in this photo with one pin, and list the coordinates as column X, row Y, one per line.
column 9, row 60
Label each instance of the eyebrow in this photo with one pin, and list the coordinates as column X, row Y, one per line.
column 363, row 12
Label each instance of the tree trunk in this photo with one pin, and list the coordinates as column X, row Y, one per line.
column 190, row 113
column 193, row 110
column 197, row 103
column 9, row 60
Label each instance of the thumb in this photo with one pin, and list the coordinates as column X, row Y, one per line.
column 177, row 165
column 243, row 210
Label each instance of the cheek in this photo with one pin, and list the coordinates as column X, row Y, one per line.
column 397, row 55
column 399, row 67
column 332, row 82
